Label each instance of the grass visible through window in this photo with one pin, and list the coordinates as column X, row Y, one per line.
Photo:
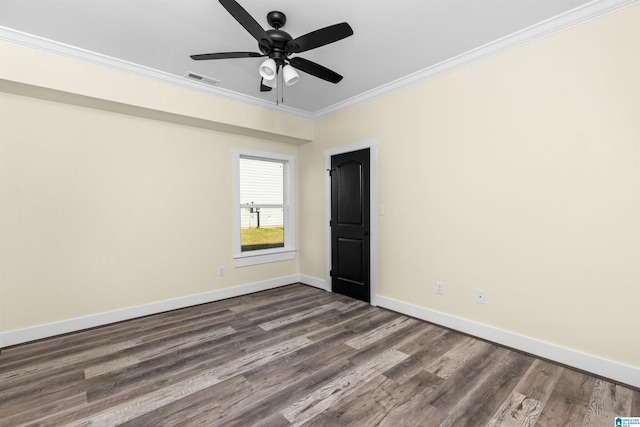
column 262, row 238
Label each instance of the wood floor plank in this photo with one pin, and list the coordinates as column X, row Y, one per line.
column 69, row 360
column 525, row 403
column 539, row 380
column 313, row 404
column 406, row 399
column 491, row 389
column 635, row 404
column 274, row 420
column 283, row 371
column 568, row 403
column 428, row 333
column 301, row 315
column 248, row 304
column 517, row 411
column 380, row 332
column 415, row 412
column 264, row 313
column 180, row 342
column 40, row 411
column 32, row 394
column 188, row 362
column 623, row 401
column 139, row 328
column 110, row 391
column 466, row 379
column 607, row 402
column 262, row 401
column 382, row 400
column 200, row 408
column 456, row 357
column 293, row 355
column 143, row 335
column 138, row 406
column 179, row 365
column 351, row 320
column 204, row 358
column 433, row 344
column 387, row 341
column 356, row 409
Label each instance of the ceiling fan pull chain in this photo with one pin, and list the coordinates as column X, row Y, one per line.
column 283, row 85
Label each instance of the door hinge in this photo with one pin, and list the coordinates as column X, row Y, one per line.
column 330, row 273
column 330, row 223
column 330, row 171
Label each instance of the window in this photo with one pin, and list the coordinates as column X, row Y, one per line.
column 264, row 209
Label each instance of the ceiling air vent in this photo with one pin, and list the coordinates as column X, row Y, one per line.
column 202, row 79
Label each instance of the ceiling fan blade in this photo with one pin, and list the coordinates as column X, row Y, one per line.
column 263, row 87
column 320, row 37
column 314, row 69
column 249, row 24
column 226, row 55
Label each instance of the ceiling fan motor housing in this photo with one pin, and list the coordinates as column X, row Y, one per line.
column 280, row 38
column 276, row 50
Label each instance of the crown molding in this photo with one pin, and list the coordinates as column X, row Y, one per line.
column 574, row 17
column 562, row 22
column 11, row 36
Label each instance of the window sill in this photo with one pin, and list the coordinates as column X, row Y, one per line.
column 263, row 257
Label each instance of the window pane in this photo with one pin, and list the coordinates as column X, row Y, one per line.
column 261, row 182
column 261, row 228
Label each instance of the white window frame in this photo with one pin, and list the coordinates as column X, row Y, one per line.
column 263, row 256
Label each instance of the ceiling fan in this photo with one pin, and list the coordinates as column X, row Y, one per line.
column 278, row 45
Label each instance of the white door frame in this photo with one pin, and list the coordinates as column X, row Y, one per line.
column 372, row 145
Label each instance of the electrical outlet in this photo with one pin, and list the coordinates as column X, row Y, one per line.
column 440, row 288
column 221, row 270
column 480, row 299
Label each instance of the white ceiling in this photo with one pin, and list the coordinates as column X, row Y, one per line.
column 395, row 42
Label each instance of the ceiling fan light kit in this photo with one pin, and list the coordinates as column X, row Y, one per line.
column 278, row 46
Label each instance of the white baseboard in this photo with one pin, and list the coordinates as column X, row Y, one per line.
column 73, row 325
column 315, row 282
column 606, row 368
column 602, row 367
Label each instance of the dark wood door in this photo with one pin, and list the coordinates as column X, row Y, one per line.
column 350, row 222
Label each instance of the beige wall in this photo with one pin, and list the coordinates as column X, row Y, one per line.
column 520, row 176
column 115, row 190
column 39, row 74
column 103, row 211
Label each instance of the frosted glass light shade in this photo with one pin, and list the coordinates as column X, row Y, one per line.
column 290, row 75
column 268, row 69
column 273, row 83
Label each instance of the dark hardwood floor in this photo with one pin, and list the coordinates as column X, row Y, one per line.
column 294, row 355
